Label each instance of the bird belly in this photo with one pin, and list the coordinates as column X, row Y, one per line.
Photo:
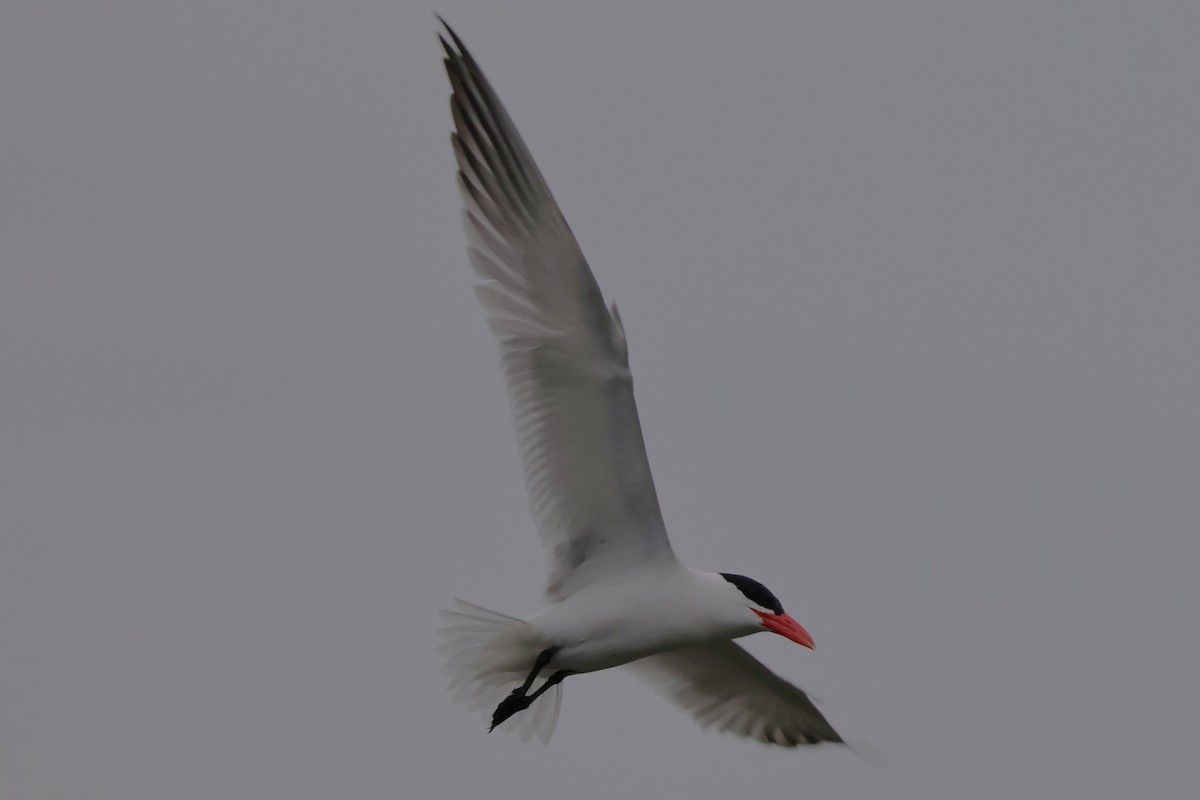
column 599, row 632
column 612, row 651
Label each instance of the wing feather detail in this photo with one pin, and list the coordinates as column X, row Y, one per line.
column 724, row 687
column 563, row 352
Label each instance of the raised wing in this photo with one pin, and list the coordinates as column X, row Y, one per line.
column 563, row 353
column 723, row 686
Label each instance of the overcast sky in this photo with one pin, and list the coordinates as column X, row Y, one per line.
column 912, row 297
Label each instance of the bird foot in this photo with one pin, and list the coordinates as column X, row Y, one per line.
column 517, row 701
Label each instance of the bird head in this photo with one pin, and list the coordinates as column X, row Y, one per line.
column 768, row 609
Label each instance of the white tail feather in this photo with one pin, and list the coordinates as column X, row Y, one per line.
column 489, row 654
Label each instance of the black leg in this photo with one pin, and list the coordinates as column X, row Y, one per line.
column 519, row 700
column 542, row 660
column 554, row 679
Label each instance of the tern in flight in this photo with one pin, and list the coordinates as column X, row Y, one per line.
column 617, row 596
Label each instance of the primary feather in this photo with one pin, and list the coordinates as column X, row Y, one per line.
column 563, row 352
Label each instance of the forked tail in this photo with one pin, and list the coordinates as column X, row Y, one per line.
column 486, row 656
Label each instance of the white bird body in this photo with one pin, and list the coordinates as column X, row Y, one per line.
column 618, row 595
column 609, row 624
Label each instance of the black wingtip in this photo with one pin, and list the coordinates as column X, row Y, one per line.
column 462, row 49
column 450, row 54
column 445, row 45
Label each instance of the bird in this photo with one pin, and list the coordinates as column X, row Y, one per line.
column 616, row 594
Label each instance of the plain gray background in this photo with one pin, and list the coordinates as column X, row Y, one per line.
column 911, row 291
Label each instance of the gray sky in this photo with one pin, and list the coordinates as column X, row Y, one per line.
column 911, row 291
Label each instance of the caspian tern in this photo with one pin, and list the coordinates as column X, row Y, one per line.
column 617, row 594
